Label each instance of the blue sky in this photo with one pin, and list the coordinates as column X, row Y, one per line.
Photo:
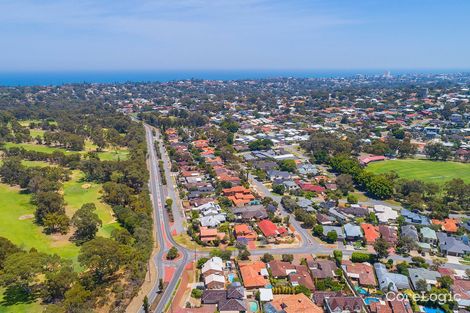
column 233, row 34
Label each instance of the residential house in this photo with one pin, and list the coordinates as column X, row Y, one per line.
column 390, row 281
column 306, row 204
column 346, row 304
column 324, row 219
column 281, row 269
column 417, row 274
column 245, row 231
column 355, row 211
column 210, row 234
column 290, row 185
column 353, row 232
column 271, row 230
column 428, row 235
column 414, row 218
column 371, row 233
column 389, row 234
column 337, row 229
column 385, row 214
column 253, row 274
column 291, row 304
column 301, row 277
column 307, row 169
column 214, row 281
column 278, row 175
column 214, row 265
column 452, row 245
column 322, row 268
column 410, row 231
column 449, row 225
column 249, row 212
column 230, row 300
column 363, row 273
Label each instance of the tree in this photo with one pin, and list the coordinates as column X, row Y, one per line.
column 345, row 184
column 6, row 248
column 260, row 144
column 445, row 282
column 201, row 262
column 437, row 151
column 172, row 253
column 78, row 299
column 421, row 285
column 146, row 305
column 381, row 248
column 244, row 254
column 405, row 244
column 103, row 257
column 56, row 223
column 48, row 202
column 331, row 236
column 287, row 258
column 318, row 230
column 58, row 283
column 338, row 255
column 287, row 165
column 279, row 189
column 86, row 223
column 353, row 199
column 380, row 186
column 267, row 257
column 196, row 293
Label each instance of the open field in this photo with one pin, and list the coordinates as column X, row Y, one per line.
column 77, row 193
column 428, row 171
column 108, row 155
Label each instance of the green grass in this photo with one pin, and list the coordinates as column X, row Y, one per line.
column 75, row 195
column 121, row 155
column 35, row 147
column 36, row 132
column 30, row 306
column 428, row 171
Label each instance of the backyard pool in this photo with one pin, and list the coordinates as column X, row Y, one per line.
column 370, row 300
column 361, row 291
column 253, row 306
column 427, row 309
column 231, row 277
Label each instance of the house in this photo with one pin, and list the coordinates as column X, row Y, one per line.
column 253, row 274
column 394, row 306
column 210, row 234
column 271, row 230
column 250, row 212
column 322, row 268
column 306, row 186
column 291, row 304
column 410, row 231
column 417, row 274
column 363, row 273
column 212, row 220
column 232, row 305
column 390, row 281
column 364, row 160
column 224, row 299
column 389, row 234
column 385, row 214
column 324, row 219
column 301, row 277
column 290, row 185
column 343, row 304
column 353, row 232
column 461, row 287
column 281, row 269
column 449, row 225
column 307, row 169
column 355, row 211
column 337, row 229
column 338, row 215
column 278, row 175
column 214, row 281
column 239, row 195
column 371, row 233
column 266, row 294
column 428, row 235
column 245, row 231
column 214, row 265
column 452, row 245
column 306, row 204
column 414, row 218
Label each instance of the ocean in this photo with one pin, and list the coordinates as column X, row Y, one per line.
column 69, row 77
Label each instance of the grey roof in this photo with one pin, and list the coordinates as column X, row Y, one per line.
column 231, row 305
column 390, row 281
column 428, row 233
column 212, row 220
column 452, row 245
column 414, row 218
column 337, row 229
column 353, row 230
column 283, row 174
column 417, row 274
column 409, row 231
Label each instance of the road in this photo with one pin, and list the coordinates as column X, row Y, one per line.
column 163, row 229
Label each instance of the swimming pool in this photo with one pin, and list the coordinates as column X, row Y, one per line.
column 361, row 291
column 427, row 309
column 370, row 300
column 231, row 277
column 253, row 306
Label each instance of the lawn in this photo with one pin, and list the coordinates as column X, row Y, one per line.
column 428, row 171
column 107, row 155
column 77, row 192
